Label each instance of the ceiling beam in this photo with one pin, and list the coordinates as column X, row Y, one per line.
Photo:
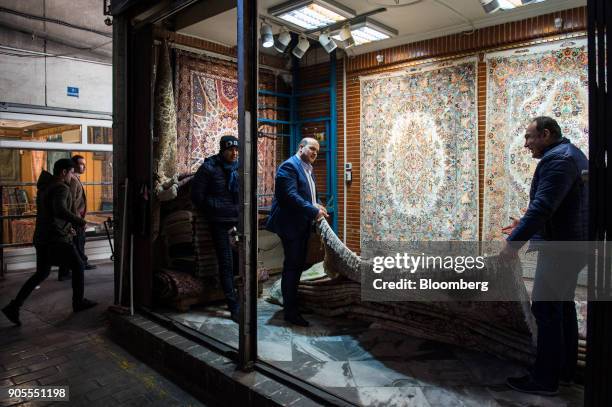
column 96, row 51
column 200, row 11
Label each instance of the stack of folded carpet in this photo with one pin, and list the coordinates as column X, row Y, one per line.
column 171, row 284
column 189, row 246
column 177, row 232
column 204, row 249
column 328, row 296
column 484, row 330
column 496, row 328
column 190, row 273
column 181, row 290
column 504, row 328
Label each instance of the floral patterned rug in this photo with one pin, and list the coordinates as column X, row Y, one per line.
column 551, row 80
column 207, row 109
column 419, row 172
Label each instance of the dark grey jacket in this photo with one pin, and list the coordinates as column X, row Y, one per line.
column 54, row 216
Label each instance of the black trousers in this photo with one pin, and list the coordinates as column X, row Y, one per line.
column 555, row 313
column 55, row 254
column 78, row 241
column 293, row 265
column 226, row 261
column 557, row 341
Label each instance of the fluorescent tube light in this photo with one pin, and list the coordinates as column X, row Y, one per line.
column 312, row 14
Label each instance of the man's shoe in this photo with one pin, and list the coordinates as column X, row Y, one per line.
column 64, row 276
column 90, row 266
column 526, row 385
column 83, row 305
column 11, row 311
column 296, row 320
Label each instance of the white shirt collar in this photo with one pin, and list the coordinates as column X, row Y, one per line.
column 307, row 166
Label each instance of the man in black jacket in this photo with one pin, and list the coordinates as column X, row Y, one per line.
column 214, row 192
column 557, row 214
column 55, row 225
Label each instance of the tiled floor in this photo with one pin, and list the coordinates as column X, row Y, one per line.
column 372, row 367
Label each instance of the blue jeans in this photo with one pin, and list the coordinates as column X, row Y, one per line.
column 225, row 259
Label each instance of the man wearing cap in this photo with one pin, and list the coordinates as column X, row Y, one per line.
column 214, row 192
column 294, row 209
column 55, row 228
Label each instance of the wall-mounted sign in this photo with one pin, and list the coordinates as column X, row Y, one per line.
column 72, row 91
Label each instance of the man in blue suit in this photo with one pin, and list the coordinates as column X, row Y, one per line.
column 294, row 209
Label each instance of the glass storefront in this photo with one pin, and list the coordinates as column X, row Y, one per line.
column 371, row 352
column 28, row 146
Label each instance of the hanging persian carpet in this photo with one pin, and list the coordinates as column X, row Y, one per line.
column 549, row 80
column 207, row 104
column 165, row 181
column 419, row 172
column 207, row 108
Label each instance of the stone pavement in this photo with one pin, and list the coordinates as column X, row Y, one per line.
column 54, row 346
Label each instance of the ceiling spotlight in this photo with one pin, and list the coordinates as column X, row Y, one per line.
column 346, row 36
column 267, row 37
column 301, row 47
column 283, row 39
column 327, row 43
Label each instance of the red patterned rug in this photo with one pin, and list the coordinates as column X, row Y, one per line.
column 207, row 109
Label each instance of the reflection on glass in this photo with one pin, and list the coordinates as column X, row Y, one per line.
column 19, row 172
column 23, row 130
column 98, row 183
column 99, row 135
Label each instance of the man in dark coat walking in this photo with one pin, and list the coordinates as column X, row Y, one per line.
column 53, row 238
